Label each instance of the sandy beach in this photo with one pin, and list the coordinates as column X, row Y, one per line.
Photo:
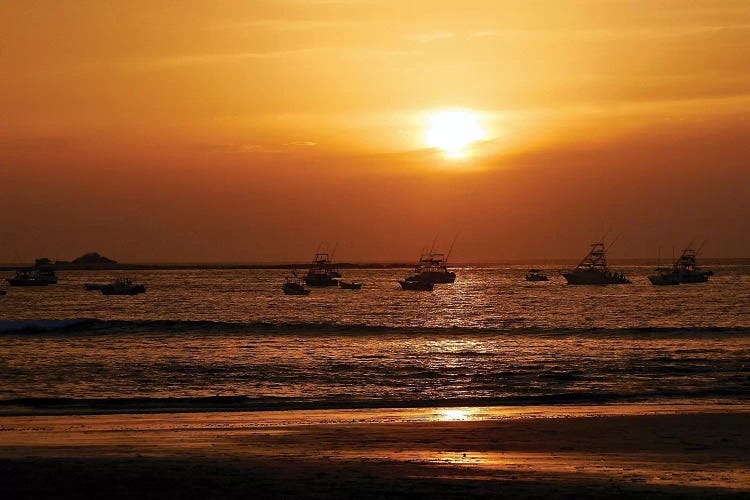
column 654, row 451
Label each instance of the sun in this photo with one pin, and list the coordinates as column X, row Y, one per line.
column 453, row 131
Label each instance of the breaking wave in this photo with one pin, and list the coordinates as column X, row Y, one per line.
column 98, row 326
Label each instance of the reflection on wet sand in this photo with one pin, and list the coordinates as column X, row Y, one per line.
column 705, row 449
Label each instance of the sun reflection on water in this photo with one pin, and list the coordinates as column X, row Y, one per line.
column 454, row 414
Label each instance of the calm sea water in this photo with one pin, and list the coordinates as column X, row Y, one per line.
column 232, row 338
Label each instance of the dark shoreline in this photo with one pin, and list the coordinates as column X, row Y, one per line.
column 208, row 267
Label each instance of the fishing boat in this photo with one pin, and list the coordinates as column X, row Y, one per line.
column 432, row 268
column 536, row 275
column 29, row 277
column 686, row 270
column 593, row 270
column 294, row 285
column 123, row 286
column 351, row 285
column 416, row 284
column 322, row 272
column 664, row 276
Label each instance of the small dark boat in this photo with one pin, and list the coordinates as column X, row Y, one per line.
column 123, row 286
column 353, row 285
column 536, row 275
column 416, row 284
column 294, row 286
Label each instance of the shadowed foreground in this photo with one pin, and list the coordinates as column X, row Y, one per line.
column 699, row 455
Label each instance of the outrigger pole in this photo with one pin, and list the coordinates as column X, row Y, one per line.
column 330, row 258
column 432, row 248
column 614, row 241
column 451, row 248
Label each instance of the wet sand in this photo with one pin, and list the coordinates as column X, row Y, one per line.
column 622, row 451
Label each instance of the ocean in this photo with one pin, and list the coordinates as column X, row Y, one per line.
column 230, row 339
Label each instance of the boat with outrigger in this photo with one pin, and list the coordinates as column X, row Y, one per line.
column 41, row 274
column 684, row 270
column 123, row 286
column 322, row 272
column 294, row 285
column 432, row 268
column 687, row 270
column 536, row 275
column 593, row 270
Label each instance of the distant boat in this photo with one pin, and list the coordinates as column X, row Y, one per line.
column 536, row 275
column 322, row 272
column 294, row 286
column 415, row 284
column 664, row 276
column 31, row 277
column 593, row 270
column 123, row 286
column 432, row 268
column 686, row 270
column 353, row 285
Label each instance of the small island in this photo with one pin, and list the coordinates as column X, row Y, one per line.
column 90, row 260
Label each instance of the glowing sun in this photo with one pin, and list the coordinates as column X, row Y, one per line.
column 453, row 131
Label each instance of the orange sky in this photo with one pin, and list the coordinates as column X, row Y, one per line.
column 250, row 131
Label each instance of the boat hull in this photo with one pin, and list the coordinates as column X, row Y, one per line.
column 692, row 277
column 537, row 278
column 27, row 282
column 350, row 286
column 295, row 291
column 320, row 281
column 134, row 290
column 419, row 286
column 438, row 278
column 594, row 278
column 660, row 280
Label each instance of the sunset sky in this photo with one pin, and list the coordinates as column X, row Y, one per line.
column 250, row 131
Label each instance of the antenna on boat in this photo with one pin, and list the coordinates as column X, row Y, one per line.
column 614, row 241
column 450, row 250
column 432, row 248
column 698, row 250
column 330, row 257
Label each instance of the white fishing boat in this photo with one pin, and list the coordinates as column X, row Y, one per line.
column 593, row 270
